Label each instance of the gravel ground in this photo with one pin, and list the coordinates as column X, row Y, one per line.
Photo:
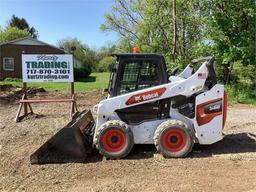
column 229, row 165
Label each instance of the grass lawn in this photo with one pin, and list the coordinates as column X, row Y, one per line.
column 99, row 81
column 96, row 81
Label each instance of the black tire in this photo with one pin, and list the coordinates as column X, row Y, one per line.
column 173, row 139
column 114, row 139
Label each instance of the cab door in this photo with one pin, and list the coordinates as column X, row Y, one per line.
column 138, row 74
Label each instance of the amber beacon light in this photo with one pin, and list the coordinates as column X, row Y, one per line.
column 136, row 50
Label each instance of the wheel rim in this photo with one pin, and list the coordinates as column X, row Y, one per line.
column 174, row 140
column 114, row 140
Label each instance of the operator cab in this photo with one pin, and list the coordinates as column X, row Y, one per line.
column 133, row 72
column 137, row 71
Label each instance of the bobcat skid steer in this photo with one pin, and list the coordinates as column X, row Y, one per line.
column 145, row 106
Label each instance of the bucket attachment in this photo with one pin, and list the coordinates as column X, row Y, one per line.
column 71, row 144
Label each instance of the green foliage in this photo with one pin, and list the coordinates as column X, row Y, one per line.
column 232, row 29
column 9, row 79
column 105, row 51
column 244, row 75
column 123, row 18
column 182, row 30
column 82, row 52
column 100, row 81
column 12, row 33
column 22, row 24
column 124, row 46
column 80, row 73
column 88, row 57
column 239, row 93
column 149, row 24
column 105, row 64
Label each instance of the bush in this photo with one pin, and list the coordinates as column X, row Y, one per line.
column 105, row 63
column 80, row 73
column 9, row 79
column 238, row 93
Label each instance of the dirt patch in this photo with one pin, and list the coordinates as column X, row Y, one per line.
column 10, row 94
column 228, row 165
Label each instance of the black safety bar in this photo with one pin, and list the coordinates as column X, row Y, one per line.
column 209, row 65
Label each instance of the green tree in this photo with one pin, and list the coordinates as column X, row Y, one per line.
column 182, row 30
column 12, row 33
column 172, row 28
column 82, row 52
column 105, row 51
column 105, row 64
column 124, row 46
column 22, row 24
column 124, row 18
column 231, row 28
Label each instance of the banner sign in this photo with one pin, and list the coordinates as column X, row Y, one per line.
column 47, row 68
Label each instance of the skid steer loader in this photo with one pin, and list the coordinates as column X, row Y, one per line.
column 145, row 106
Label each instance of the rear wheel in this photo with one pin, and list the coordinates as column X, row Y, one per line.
column 173, row 139
column 114, row 139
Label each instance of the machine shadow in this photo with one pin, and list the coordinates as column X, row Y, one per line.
column 231, row 143
column 142, row 151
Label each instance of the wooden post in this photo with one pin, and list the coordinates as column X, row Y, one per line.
column 25, row 97
column 17, row 118
column 72, row 88
column 26, row 105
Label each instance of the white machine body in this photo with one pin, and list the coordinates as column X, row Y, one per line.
column 207, row 128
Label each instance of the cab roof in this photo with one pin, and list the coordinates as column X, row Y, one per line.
column 136, row 55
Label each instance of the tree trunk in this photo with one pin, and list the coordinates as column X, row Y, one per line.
column 174, row 49
column 227, row 68
column 183, row 37
column 226, row 72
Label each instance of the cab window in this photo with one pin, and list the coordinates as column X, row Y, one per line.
column 137, row 75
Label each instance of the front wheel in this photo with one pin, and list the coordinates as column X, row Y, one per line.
column 173, row 139
column 114, row 139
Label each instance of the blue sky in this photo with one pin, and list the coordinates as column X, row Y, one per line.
column 58, row 19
